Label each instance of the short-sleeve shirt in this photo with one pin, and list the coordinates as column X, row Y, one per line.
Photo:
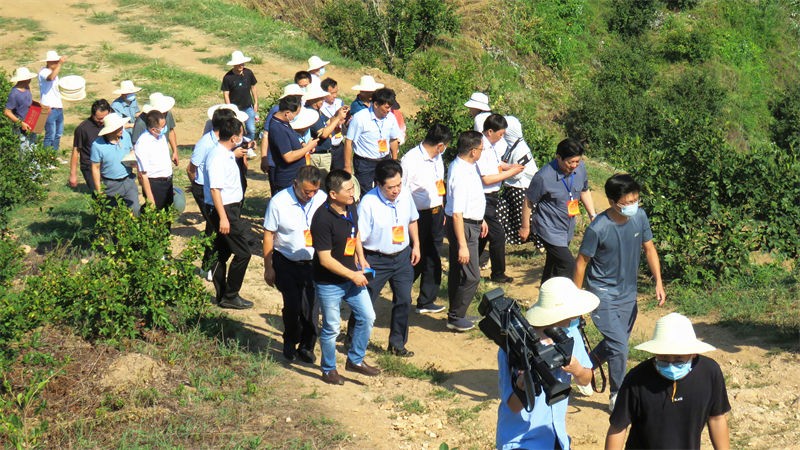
column 153, row 156
column 139, row 127
column 200, row 152
column 19, row 102
column 84, row 136
column 324, row 145
column 670, row 414
column 329, row 110
column 366, row 130
column 465, row 191
column 420, row 174
column 519, row 154
column 489, row 162
column 357, row 106
column 330, row 231
column 222, row 172
column 282, row 140
column 551, row 190
column 238, row 87
column 377, row 216
column 615, row 251
column 125, row 109
column 480, row 118
column 51, row 96
column 109, row 156
column 289, row 219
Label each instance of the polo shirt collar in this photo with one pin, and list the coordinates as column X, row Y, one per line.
column 559, row 175
column 427, row 156
column 384, row 200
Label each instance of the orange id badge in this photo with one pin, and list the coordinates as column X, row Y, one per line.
column 440, row 187
column 383, row 145
column 572, row 208
column 398, row 235
column 309, row 239
column 350, row 247
column 308, row 159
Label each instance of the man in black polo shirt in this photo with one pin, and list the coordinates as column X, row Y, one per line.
column 287, row 151
column 339, row 274
column 239, row 87
column 85, row 134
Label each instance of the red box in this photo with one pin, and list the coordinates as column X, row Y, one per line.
column 37, row 116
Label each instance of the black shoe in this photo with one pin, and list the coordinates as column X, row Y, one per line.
column 307, row 356
column 235, row 303
column 290, row 356
column 502, row 278
column 401, row 352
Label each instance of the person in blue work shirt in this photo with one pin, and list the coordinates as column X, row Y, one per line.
column 110, row 176
column 126, row 105
column 543, row 426
column 287, row 151
column 267, row 160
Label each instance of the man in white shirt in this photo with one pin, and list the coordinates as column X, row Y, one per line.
column 155, row 165
column 51, row 97
column 423, row 176
column 464, row 225
column 330, row 106
column 288, row 256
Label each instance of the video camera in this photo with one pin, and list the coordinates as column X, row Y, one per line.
column 505, row 324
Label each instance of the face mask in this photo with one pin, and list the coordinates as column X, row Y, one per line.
column 574, row 323
column 130, row 97
column 629, row 210
column 322, row 71
column 163, row 131
column 673, row 371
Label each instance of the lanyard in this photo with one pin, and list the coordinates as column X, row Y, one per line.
column 378, row 123
column 310, row 204
column 569, row 188
column 390, row 205
column 348, row 217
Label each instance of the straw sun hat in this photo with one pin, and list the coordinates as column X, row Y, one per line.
column 367, row 84
column 72, row 88
column 560, row 299
column 241, row 115
column 305, row 119
column 674, row 335
column 478, row 100
column 237, row 57
column 111, row 123
column 21, row 74
column 158, row 102
column 126, row 87
column 315, row 62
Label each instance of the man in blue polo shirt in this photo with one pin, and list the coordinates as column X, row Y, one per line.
column 287, row 151
column 126, row 105
column 108, row 172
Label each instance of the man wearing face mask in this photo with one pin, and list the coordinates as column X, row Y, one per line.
column 667, row 400
column 126, row 105
column 609, row 259
column 155, row 167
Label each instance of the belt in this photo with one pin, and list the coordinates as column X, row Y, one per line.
column 357, row 156
column 115, row 179
column 299, row 263
column 390, row 255
column 161, row 179
column 472, row 221
column 434, row 210
column 492, row 194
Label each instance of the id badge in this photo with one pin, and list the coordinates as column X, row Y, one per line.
column 350, row 247
column 572, row 208
column 383, row 145
column 440, row 187
column 308, row 159
column 398, row 234
column 309, row 239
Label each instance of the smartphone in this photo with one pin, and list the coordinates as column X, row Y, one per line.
column 369, row 272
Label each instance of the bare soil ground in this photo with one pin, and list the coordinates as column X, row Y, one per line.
column 763, row 383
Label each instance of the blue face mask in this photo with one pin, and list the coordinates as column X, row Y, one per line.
column 163, row 131
column 574, row 323
column 130, row 97
column 629, row 210
column 673, row 370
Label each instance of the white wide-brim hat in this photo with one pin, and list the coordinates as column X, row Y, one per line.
column 129, row 160
column 21, row 74
column 237, row 57
column 367, row 84
column 314, row 92
column 72, row 88
column 241, row 115
column 315, row 62
column 111, row 123
column 560, row 299
column 51, row 55
column 292, row 89
column 305, row 119
column 158, row 102
column 478, row 100
column 126, row 87
column 674, row 335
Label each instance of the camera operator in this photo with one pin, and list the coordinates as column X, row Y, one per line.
column 540, row 425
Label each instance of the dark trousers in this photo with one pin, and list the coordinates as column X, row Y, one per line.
column 463, row 280
column 398, row 271
column 300, row 309
column 364, row 171
column 162, row 192
column 242, row 175
column 227, row 283
column 429, row 268
column 87, row 176
column 559, row 262
column 199, row 198
column 496, row 237
column 337, row 157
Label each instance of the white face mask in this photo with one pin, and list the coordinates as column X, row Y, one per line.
column 322, row 71
column 629, row 210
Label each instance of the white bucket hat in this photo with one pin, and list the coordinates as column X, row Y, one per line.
column 111, row 123
column 158, row 102
column 560, row 299
column 674, row 335
column 367, row 84
column 478, row 100
column 21, row 74
column 315, row 62
column 241, row 115
column 72, row 88
column 292, row 89
column 314, row 92
column 237, row 57
column 305, row 119
column 51, row 55
column 126, row 87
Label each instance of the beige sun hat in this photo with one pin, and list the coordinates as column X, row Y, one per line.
column 560, row 299
column 367, row 84
column 478, row 100
column 126, row 87
column 241, row 115
column 21, row 74
column 305, row 119
column 315, row 62
column 237, row 57
column 111, row 123
column 314, row 92
column 674, row 335
column 72, row 88
column 158, row 102
column 292, row 89
column 51, row 55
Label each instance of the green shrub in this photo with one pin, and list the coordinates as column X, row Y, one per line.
column 693, row 46
column 10, row 260
column 785, row 129
column 681, row 5
column 631, row 17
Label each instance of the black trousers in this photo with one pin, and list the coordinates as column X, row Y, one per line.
column 429, row 268
column 558, row 262
column 300, row 310
column 496, row 237
column 162, row 192
column 337, row 157
column 87, row 176
column 364, row 170
column 462, row 280
column 199, row 198
column 228, row 281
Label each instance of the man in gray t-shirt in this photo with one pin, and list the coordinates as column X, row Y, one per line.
column 611, row 252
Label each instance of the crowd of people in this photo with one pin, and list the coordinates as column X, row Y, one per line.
column 347, row 216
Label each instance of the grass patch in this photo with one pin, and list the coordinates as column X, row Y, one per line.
column 223, row 60
column 144, row 34
column 20, row 24
column 395, row 366
column 99, row 18
column 442, row 394
column 188, row 88
column 126, row 59
column 458, row 416
column 410, row 406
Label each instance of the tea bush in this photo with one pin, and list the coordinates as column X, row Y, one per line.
column 631, row 18
column 785, row 129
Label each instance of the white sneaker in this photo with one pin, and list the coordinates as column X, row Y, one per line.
column 585, row 389
column 250, row 153
column 611, row 402
column 210, row 275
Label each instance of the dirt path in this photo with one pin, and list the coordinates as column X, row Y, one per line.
column 380, row 413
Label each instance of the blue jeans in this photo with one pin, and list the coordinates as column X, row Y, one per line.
column 54, row 128
column 329, row 297
column 250, row 125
